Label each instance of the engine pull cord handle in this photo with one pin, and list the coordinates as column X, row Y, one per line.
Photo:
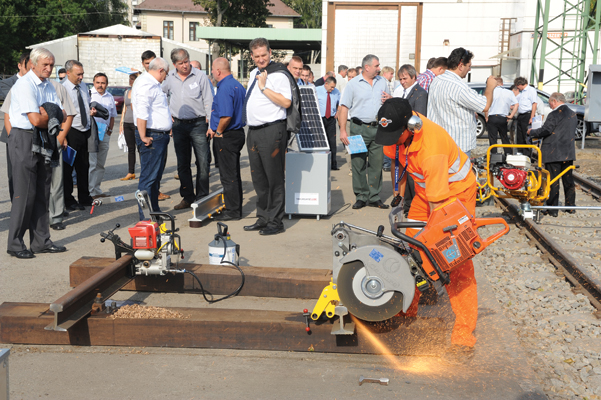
column 443, row 276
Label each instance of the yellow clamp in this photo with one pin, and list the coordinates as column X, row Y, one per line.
column 327, row 302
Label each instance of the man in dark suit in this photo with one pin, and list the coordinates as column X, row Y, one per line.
column 418, row 100
column 558, row 149
column 410, row 90
column 322, row 80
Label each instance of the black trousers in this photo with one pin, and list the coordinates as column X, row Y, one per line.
column 9, row 172
column 129, row 131
column 29, row 210
column 497, row 124
column 266, row 156
column 523, row 122
column 78, row 140
column 330, row 125
column 227, row 148
column 567, row 179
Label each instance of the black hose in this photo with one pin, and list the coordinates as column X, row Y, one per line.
column 235, row 292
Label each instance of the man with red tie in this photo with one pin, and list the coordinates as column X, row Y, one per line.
column 329, row 100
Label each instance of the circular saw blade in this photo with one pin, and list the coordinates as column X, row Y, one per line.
column 359, row 305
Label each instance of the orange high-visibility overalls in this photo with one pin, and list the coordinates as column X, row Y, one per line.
column 440, row 171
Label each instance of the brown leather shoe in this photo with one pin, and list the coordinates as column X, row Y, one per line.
column 163, row 196
column 182, row 205
column 128, row 177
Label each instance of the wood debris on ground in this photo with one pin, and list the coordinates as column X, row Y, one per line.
column 136, row 311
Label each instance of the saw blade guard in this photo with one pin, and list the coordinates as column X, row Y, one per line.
column 375, row 283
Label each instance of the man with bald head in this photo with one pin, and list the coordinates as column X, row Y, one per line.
column 226, row 129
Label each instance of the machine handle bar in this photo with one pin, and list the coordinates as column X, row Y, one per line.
column 170, row 217
column 394, row 228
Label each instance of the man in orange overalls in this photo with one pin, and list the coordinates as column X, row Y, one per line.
column 440, row 171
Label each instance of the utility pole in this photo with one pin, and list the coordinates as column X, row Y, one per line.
column 560, row 55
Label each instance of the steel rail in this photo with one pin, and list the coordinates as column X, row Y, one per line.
column 77, row 304
column 561, row 259
column 588, row 186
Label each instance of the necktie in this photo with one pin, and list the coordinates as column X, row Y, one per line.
column 248, row 92
column 82, row 108
column 405, row 93
column 328, row 107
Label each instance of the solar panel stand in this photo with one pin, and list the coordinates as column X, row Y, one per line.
column 308, row 171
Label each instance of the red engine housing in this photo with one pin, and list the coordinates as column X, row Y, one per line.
column 513, row 178
column 144, row 235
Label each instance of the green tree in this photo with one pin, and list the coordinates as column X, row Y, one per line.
column 241, row 13
column 235, row 13
column 27, row 22
column 310, row 11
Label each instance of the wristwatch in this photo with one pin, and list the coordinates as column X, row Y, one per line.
column 262, row 90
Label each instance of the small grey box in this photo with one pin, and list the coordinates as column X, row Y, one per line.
column 308, row 183
column 592, row 110
column 4, row 353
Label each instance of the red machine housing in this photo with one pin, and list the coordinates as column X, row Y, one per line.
column 451, row 236
column 144, row 235
column 513, row 178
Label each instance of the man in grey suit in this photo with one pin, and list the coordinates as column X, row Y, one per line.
column 418, row 99
column 410, row 90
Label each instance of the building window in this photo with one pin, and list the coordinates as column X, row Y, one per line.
column 168, row 29
column 193, row 27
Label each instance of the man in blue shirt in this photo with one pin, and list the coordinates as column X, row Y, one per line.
column 227, row 130
column 360, row 103
column 329, row 100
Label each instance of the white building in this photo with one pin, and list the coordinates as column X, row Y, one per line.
column 103, row 50
column 406, row 32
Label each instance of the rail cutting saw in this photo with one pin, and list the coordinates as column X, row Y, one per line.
column 375, row 276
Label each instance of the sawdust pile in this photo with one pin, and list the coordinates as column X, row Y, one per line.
column 136, row 311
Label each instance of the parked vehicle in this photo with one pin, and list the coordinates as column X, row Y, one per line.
column 582, row 127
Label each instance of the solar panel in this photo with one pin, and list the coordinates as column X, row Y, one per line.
column 312, row 134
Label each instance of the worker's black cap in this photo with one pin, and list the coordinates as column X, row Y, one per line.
column 392, row 120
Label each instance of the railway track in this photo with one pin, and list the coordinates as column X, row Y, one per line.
column 547, row 277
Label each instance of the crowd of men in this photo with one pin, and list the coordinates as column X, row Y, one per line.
column 179, row 101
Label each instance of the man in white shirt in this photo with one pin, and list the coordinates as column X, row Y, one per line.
column 5, row 86
column 153, row 125
column 31, row 173
column 341, row 78
column 452, row 104
column 503, row 108
column 97, row 160
column 528, row 102
column 267, row 98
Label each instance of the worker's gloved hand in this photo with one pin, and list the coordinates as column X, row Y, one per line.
column 396, row 200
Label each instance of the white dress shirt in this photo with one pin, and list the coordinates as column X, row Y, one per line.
column 502, row 100
column 340, row 83
column 259, row 109
column 107, row 101
column 150, row 104
column 452, row 104
column 29, row 93
column 85, row 95
column 402, row 92
column 527, row 98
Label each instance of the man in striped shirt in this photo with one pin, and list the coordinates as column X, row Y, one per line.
column 453, row 105
column 435, row 67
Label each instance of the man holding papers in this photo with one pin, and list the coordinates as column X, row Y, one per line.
column 105, row 128
column 362, row 99
column 78, row 138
